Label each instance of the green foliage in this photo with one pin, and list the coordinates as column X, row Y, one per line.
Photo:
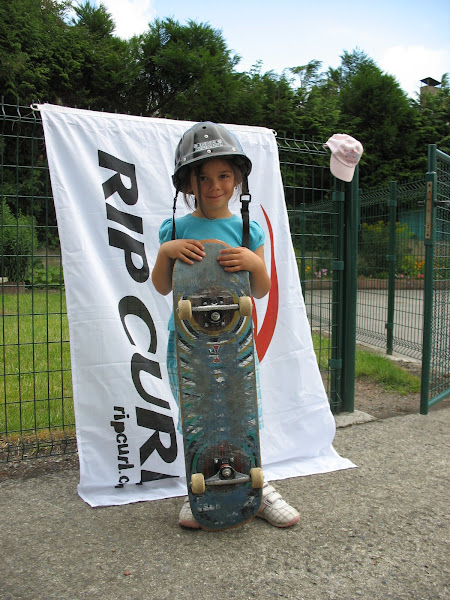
column 433, row 112
column 18, row 240
column 376, row 367
column 186, row 71
column 386, row 373
column 377, row 112
column 441, row 267
column 42, row 57
column 177, row 65
column 96, row 21
column 266, row 99
column 47, row 277
column 374, row 248
column 412, row 267
column 37, row 50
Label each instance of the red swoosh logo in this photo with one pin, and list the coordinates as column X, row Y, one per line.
column 265, row 335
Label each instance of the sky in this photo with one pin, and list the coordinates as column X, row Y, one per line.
column 409, row 39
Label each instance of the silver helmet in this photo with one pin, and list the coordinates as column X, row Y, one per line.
column 208, row 140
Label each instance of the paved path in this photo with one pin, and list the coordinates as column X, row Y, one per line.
column 377, row 532
column 371, row 317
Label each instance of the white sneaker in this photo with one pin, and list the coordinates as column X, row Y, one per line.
column 186, row 518
column 275, row 510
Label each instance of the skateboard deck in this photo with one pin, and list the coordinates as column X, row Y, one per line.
column 218, row 396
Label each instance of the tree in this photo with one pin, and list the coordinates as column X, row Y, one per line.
column 266, row 100
column 172, row 60
column 377, row 112
column 97, row 21
column 316, row 100
column 43, row 57
column 309, row 76
column 352, row 63
column 30, row 30
column 434, row 117
column 107, row 64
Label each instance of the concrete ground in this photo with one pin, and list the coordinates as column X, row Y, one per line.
column 380, row 531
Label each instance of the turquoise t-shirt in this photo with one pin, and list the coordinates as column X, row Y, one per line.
column 227, row 230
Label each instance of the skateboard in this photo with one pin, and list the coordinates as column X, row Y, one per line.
column 218, row 397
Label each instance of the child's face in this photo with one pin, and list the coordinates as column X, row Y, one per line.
column 217, row 184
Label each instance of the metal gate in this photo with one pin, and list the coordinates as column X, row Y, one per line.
column 436, row 331
column 404, row 273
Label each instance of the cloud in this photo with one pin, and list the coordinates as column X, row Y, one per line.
column 131, row 17
column 410, row 64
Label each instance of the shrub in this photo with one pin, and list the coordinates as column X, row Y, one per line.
column 18, row 240
column 41, row 277
column 374, row 248
column 412, row 266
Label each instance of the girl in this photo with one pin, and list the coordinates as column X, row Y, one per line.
column 210, row 169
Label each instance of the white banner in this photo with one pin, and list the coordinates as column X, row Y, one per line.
column 111, row 180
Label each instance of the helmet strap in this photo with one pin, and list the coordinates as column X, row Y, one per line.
column 245, row 201
column 174, row 233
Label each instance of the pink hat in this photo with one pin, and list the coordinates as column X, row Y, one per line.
column 345, row 155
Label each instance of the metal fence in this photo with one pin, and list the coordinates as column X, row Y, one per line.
column 385, row 306
column 436, row 339
column 312, row 219
column 36, row 411
column 391, row 267
column 404, row 273
column 318, row 207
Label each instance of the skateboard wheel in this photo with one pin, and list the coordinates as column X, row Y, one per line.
column 197, row 483
column 245, row 306
column 257, row 477
column 184, row 309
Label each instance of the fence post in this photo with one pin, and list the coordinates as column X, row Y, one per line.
column 350, row 291
column 391, row 267
column 430, row 237
column 303, row 246
column 337, row 303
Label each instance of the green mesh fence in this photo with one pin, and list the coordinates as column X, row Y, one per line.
column 36, row 407
column 391, row 261
column 373, row 250
column 313, row 217
column 36, row 404
column 439, row 378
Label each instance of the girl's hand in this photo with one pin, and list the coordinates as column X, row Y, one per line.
column 238, row 259
column 185, row 250
column 243, row 259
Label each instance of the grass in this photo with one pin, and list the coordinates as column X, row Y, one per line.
column 386, row 373
column 35, row 376
column 376, row 367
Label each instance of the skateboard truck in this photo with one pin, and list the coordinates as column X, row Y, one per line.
column 215, row 309
column 226, row 474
